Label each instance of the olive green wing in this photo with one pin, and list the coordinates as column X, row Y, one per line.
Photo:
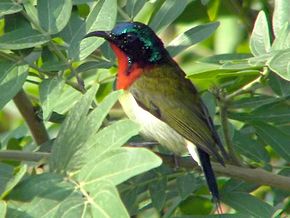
column 173, row 99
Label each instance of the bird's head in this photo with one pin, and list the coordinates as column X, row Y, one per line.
column 136, row 40
column 136, row 46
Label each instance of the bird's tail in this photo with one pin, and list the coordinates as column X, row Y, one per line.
column 210, row 177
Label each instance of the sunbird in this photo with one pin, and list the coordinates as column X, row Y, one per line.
column 158, row 96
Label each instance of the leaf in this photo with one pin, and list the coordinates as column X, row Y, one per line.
column 158, row 193
column 49, row 94
column 191, row 37
column 250, row 148
column 102, row 17
column 260, row 38
column 50, row 195
column 72, row 135
column 46, row 195
column 280, row 15
column 282, row 40
column 104, row 201
column 247, row 204
column 276, row 112
column 252, row 102
column 274, row 137
column 9, row 7
column 186, row 184
column 130, row 162
column 22, row 38
column 133, row 7
column 13, row 180
column 168, row 12
column 11, row 81
column 279, row 86
column 280, row 63
column 53, row 15
column 3, row 209
column 111, row 137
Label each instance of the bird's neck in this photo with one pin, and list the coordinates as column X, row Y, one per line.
column 127, row 72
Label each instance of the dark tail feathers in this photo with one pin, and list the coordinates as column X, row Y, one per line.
column 209, row 176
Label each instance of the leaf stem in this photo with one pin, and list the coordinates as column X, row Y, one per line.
column 35, row 125
column 226, row 130
column 23, row 155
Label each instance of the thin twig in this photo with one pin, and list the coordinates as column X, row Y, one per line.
column 226, row 130
column 257, row 176
column 23, row 155
column 35, row 125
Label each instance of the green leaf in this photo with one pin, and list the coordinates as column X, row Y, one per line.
column 280, row 86
column 133, row 7
column 252, row 102
column 101, row 17
column 282, row 40
column 131, row 162
column 46, row 195
column 53, row 15
column 12, row 180
column 50, row 195
column 104, row 201
column 274, row 137
column 280, row 15
column 71, row 137
column 247, row 204
column 250, row 148
column 276, row 112
column 11, row 81
column 50, row 91
column 186, row 184
column 22, row 38
column 9, row 7
column 3, row 209
column 158, row 193
column 280, row 63
column 111, row 137
column 260, row 38
column 191, row 37
column 168, row 12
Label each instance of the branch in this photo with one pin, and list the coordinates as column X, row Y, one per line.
column 23, row 155
column 35, row 125
column 257, row 176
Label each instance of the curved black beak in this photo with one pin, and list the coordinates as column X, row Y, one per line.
column 103, row 34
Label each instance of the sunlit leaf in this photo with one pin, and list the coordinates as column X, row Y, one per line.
column 280, row 15
column 280, row 63
column 260, row 39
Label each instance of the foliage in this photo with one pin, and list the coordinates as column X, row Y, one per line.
column 82, row 168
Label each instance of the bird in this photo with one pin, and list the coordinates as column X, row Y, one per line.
column 158, row 96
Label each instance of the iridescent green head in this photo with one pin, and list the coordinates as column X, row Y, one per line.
column 137, row 40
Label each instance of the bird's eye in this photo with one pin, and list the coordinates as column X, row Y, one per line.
column 131, row 37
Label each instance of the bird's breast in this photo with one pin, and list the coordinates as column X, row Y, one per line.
column 151, row 127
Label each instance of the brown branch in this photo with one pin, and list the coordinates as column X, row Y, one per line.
column 35, row 125
column 257, row 176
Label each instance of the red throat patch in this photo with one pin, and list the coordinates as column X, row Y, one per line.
column 125, row 78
